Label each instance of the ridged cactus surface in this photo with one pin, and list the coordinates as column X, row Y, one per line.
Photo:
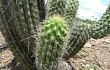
column 80, row 33
column 55, row 29
column 65, row 8
column 102, row 27
column 53, row 33
column 19, row 20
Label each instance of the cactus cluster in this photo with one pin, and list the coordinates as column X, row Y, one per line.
column 56, row 36
column 52, row 36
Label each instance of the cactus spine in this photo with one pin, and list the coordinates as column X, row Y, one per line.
column 53, row 33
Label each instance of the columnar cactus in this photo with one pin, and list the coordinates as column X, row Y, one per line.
column 102, row 28
column 19, row 20
column 65, row 8
column 52, row 36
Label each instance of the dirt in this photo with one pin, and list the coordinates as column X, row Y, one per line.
column 94, row 55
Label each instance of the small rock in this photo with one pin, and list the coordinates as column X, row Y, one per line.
column 88, row 45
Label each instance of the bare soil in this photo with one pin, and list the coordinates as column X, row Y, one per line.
column 95, row 54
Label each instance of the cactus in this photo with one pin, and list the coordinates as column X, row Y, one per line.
column 19, row 28
column 65, row 8
column 53, row 33
column 68, row 10
column 21, row 21
column 102, row 27
column 41, row 8
column 80, row 34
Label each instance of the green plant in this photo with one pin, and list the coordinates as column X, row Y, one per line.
column 65, row 8
column 80, row 34
column 55, row 38
column 102, row 27
column 52, row 36
column 91, row 66
column 19, row 20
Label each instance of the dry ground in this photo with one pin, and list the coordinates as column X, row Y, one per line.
column 95, row 54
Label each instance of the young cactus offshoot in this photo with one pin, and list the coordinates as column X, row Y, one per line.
column 54, row 29
column 53, row 33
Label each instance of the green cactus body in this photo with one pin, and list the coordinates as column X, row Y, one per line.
column 19, row 19
column 79, row 36
column 65, row 8
column 53, row 32
column 102, row 27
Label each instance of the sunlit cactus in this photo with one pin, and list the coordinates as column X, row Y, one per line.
column 53, row 33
